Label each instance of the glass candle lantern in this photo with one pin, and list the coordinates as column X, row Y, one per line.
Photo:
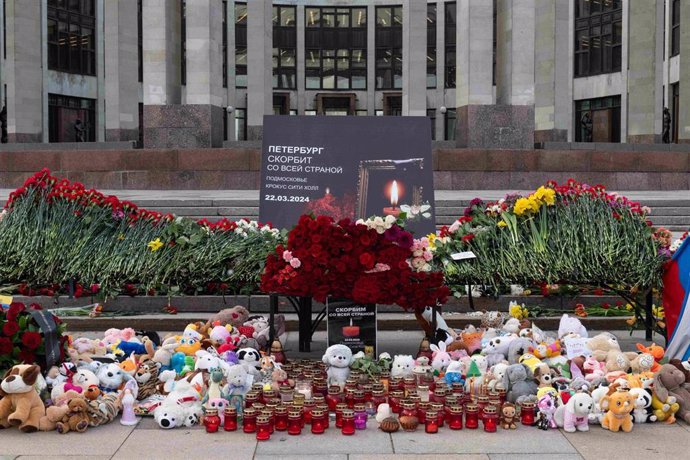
column 286, row 393
column 270, row 394
column 359, row 397
column 298, row 398
column 339, row 414
column 250, row 399
column 351, row 383
column 318, row 399
column 259, row 407
column 458, row 388
column 431, row 422
column 212, row 420
column 281, row 418
column 414, row 398
column 335, row 396
column 320, row 388
column 318, row 421
column 482, row 402
column 348, row 428
column 396, row 384
column 490, row 419
column 294, row 422
column 368, row 392
column 303, row 386
column 422, row 409
column 263, row 428
column 471, row 416
column 527, row 413
column 360, row 417
column 384, row 380
column 502, row 395
column 439, row 395
column 409, row 383
column 455, row 422
column 394, row 399
column 423, row 392
column 350, row 397
column 271, row 420
column 323, row 408
column 378, row 397
column 408, row 409
column 230, row 422
column 306, row 413
column 249, row 420
column 440, row 413
column 428, row 380
column 494, row 399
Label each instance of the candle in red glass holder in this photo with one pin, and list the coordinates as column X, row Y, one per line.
column 431, row 422
column 455, row 422
column 271, row 420
column 527, row 413
column 394, row 399
column 482, row 402
column 395, row 384
column 502, row 395
column 335, row 396
column 230, row 423
column 439, row 395
column 339, row 414
column 320, row 388
column 368, row 392
column 281, row 418
column 384, row 380
column 318, row 422
column 294, row 422
column 378, row 398
column 359, row 397
column 451, row 400
column 350, row 397
column 286, row 393
column 458, row 388
column 212, row 421
column 360, row 417
column 249, row 420
column 270, row 394
column 263, row 428
column 308, row 407
column 250, row 399
column 323, row 408
column 471, row 416
column 409, row 383
column 422, row 409
column 408, row 408
column 494, row 399
column 440, row 413
column 490, row 419
column 348, row 428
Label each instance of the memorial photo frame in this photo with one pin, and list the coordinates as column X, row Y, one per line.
column 368, row 168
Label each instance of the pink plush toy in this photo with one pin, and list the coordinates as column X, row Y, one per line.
column 594, row 369
column 547, row 409
column 114, row 335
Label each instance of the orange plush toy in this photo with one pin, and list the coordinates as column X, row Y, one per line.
column 619, row 407
column 21, row 406
column 656, row 351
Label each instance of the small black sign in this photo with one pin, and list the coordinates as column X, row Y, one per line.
column 353, row 325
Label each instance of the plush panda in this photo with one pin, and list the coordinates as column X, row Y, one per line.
column 250, row 359
column 643, row 412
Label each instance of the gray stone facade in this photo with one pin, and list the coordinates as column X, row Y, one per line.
column 529, row 97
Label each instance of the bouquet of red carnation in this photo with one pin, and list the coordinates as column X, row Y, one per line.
column 347, row 260
column 23, row 341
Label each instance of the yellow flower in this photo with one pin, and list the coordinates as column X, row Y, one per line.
column 121, row 236
column 518, row 311
column 155, row 245
column 631, row 321
column 628, row 307
column 522, row 206
column 545, row 195
column 432, row 240
column 502, row 223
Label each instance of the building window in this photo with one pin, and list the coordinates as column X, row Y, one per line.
column 450, row 32
column 431, row 114
column 241, row 45
column 598, row 32
column 335, row 48
column 598, row 120
column 70, row 118
column 449, row 128
column 71, row 36
column 284, row 47
column 675, row 28
column 431, row 45
column 389, row 47
column 240, row 124
column 140, row 38
column 183, row 42
column 224, row 50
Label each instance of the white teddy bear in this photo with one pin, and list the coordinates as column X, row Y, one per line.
column 338, row 359
column 403, row 366
column 181, row 407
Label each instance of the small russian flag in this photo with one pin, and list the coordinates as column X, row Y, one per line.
column 675, row 300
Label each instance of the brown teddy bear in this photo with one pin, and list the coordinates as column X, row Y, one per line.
column 57, row 411
column 21, row 406
column 236, row 316
column 77, row 419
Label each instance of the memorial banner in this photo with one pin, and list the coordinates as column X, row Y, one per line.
column 347, row 167
column 353, row 325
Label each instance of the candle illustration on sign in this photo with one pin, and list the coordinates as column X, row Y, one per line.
column 393, row 210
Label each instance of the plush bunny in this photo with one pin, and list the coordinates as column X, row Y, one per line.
column 670, row 381
column 518, row 381
column 440, row 358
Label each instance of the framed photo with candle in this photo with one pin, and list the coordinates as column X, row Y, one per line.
column 385, row 186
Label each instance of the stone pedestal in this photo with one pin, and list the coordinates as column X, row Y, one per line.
column 184, row 126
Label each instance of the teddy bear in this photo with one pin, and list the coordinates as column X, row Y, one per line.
column 56, row 411
column 338, row 359
column 77, row 419
column 569, row 326
column 643, row 362
column 670, row 381
column 111, row 377
column 495, row 376
column 518, row 382
column 593, row 369
column 181, row 407
column 657, row 353
column 470, row 340
column 21, row 406
column 574, row 415
column 403, row 366
column 114, row 335
column 605, row 348
column 508, row 416
column 236, row 316
column 618, row 407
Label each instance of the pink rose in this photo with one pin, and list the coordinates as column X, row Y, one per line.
column 295, row 262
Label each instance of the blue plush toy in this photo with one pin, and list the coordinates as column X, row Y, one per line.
column 177, row 362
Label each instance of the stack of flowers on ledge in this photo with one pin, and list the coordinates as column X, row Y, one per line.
column 373, row 261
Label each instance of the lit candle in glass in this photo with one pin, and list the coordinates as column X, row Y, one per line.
column 393, row 210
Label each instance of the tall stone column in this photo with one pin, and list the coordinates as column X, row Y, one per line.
column 162, row 78
column 644, row 71
column 259, row 66
column 684, row 72
column 474, row 72
column 414, row 54
column 551, row 93
column 515, row 35
column 23, row 73
column 122, row 70
column 204, row 95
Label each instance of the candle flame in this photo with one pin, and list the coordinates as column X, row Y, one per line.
column 328, row 190
column 394, row 194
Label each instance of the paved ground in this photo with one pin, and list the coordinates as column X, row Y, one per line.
column 146, row 440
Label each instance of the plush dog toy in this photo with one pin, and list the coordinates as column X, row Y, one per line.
column 618, row 407
column 574, row 416
column 338, row 359
column 21, row 406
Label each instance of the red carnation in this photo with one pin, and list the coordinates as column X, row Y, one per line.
column 31, row 340
column 467, row 238
column 367, row 260
column 10, row 328
column 15, row 309
column 5, row 346
column 27, row 356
